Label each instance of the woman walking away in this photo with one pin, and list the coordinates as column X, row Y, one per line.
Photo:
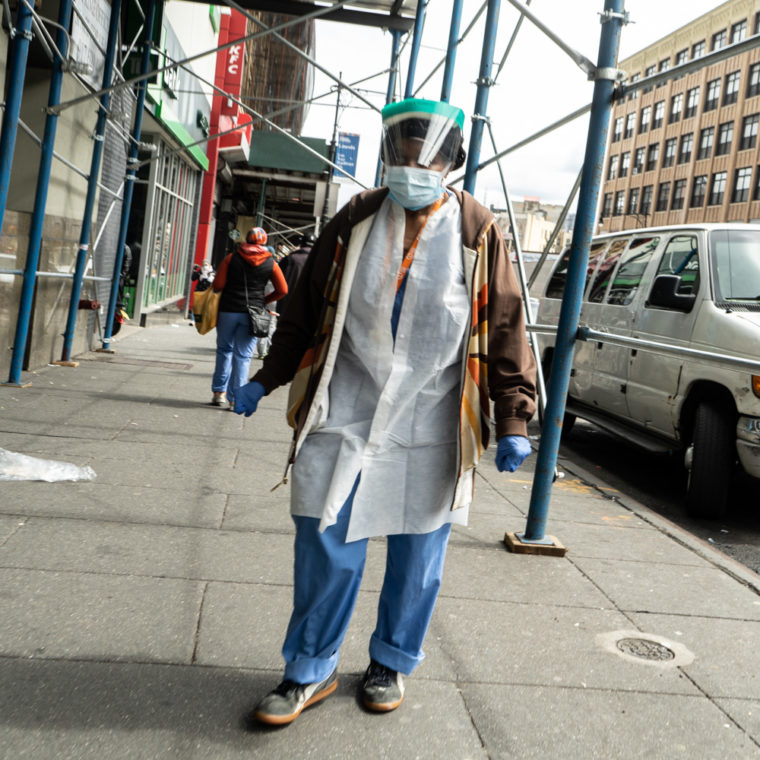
column 242, row 278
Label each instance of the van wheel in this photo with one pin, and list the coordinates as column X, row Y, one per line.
column 713, row 463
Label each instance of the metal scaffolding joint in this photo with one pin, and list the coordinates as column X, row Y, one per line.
column 609, row 15
column 480, row 117
column 607, row 72
column 485, row 82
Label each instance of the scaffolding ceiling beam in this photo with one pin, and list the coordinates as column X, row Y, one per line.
column 390, row 20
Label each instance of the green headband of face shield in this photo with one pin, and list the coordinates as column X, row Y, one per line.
column 427, row 133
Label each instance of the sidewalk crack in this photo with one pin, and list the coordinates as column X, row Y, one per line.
column 197, row 636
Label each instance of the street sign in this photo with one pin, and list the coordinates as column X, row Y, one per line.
column 346, row 152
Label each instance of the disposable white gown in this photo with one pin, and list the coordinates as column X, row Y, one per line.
column 393, row 413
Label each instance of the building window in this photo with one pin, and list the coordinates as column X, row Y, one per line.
column 731, row 95
column 725, row 136
column 738, row 31
column 756, row 193
column 613, row 168
column 634, row 78
column 756, row 24
column 607, row 205
column 682, row 56
column 645, row 118
column 742, row 182
column 706, row 137
column 697, row 50
column 676, row 105
column 625, row 163
column 749, row 131
column 692, row 103
column 649, row 71
column 719, row 40
column 619, row 201
column 633, row 200
column 664, row 66
column 630, row 125
column 646, row 201
column 698, row 191
column 713, row 95
column 659, row 114
column 679, row 194
column 717, row 189
column 753, row 84
column 663, row 193
column 687, row 145
column 617, row 132
column 669, row 157
column 652, row 155
column 638, row 160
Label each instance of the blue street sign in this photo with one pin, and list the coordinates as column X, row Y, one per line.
column 346, row 152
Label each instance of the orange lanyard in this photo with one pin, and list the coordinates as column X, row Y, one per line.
column 409, row 255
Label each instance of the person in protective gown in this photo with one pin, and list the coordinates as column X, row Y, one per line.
column 406, row 318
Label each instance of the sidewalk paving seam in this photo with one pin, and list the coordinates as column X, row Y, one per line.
column 713, row 555
column 13, row 532
column 713, row 701
column 198, row 622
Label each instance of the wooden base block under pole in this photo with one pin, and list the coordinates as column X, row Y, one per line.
column 551, row 548
column 65, row 364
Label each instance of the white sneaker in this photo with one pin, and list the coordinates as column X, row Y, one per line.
column 218, row 398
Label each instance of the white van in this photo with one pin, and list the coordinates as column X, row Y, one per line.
column 696, row 286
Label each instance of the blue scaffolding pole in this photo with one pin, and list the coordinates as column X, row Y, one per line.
column 129, row 183
column 419, row 22
column 40, row 199
column 481, row 97
column 451, row 50
column 395, row 46
column 605, row 76
column 92, row 185
column 20, row 37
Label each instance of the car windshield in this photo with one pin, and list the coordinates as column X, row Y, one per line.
column 735, row 256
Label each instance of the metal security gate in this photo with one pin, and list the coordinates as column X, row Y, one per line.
column 170, row 218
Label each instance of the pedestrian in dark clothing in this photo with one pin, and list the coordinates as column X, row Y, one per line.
column 242, row 278
column 292, row 265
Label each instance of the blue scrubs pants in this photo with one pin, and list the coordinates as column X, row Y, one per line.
column 328, row 572
column 234, row 349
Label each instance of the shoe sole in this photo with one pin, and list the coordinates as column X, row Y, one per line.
column 283, row 720
column 382, row 706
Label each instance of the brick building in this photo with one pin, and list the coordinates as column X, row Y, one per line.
column 686, row 149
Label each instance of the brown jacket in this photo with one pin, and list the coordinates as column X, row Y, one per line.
column 498, row 361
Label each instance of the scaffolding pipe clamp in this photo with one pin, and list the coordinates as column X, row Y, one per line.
column 485, row 82
column 609, row 15
column 613, row 75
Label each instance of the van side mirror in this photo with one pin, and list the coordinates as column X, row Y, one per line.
column 665, row 294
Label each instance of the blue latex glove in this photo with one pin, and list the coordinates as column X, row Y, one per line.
column 511, row 452
column 247, row 398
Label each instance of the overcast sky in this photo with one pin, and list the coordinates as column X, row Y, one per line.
column 538, row 85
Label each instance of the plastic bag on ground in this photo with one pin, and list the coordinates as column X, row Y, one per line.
column 15, row 466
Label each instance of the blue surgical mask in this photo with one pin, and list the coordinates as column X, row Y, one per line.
column 412, row 187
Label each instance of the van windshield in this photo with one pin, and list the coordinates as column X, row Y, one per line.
column 735, row 257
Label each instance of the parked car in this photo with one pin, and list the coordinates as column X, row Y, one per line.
column 695, row 286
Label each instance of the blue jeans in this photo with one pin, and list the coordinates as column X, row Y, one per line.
column 234, row 349
column 328, row 572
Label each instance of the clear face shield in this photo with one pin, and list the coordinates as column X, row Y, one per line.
column 422, row 142
column 423, row 133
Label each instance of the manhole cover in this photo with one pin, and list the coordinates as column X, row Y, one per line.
column 646, row 649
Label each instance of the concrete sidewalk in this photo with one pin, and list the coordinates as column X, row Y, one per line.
column 141, row 614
